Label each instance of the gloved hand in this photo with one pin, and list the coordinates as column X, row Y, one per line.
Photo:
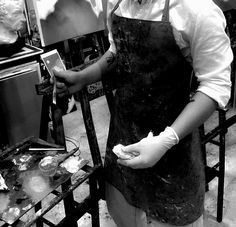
column 148, row 151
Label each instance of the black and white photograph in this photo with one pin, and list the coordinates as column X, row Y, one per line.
column 118, row 113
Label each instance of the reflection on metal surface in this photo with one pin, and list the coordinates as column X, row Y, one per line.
column 35, row 185
column 4, row 201
column 28, row 187
column 11, row 215
column 74, row 164
column 20, row 106
column 3, row 186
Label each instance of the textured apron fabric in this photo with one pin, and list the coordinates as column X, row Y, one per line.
column 126, row 215
column 153, row 81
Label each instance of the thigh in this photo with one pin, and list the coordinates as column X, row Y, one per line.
column 123, row 214
column 154, row 223
column 126, row 215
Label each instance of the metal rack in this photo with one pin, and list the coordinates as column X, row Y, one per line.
column 74, row 211
column 218, row 170
column 93, row 173
column 220, row 131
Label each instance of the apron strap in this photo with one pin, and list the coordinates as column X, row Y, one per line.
column 165, row 16
column 116, row 6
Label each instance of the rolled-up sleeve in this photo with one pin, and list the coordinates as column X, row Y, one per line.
column 212, row 55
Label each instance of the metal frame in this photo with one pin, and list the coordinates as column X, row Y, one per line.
column 218, row 170
column 73, row 210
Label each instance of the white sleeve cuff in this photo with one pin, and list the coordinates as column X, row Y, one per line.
column 221, row 94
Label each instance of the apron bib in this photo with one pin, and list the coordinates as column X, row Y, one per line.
column 153, row 87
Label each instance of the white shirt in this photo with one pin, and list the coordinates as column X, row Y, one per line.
column 199, row 30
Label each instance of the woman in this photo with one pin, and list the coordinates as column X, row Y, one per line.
column 155, row 47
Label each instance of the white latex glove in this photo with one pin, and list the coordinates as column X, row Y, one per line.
column 149, row 150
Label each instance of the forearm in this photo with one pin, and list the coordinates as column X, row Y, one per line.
column 194, row 114
column 94, row 72
column 149, row 151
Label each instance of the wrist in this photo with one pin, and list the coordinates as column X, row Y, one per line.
column 81, row 78
column 171, row 133
column 168, row 138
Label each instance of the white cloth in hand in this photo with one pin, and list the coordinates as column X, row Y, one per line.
column 150, row 149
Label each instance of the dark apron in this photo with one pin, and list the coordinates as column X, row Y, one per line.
column 153, row 87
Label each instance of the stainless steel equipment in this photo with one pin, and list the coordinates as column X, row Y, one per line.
column 20, row 106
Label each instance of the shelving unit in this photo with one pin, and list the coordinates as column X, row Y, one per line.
column 92, row 173
column 18, row 74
